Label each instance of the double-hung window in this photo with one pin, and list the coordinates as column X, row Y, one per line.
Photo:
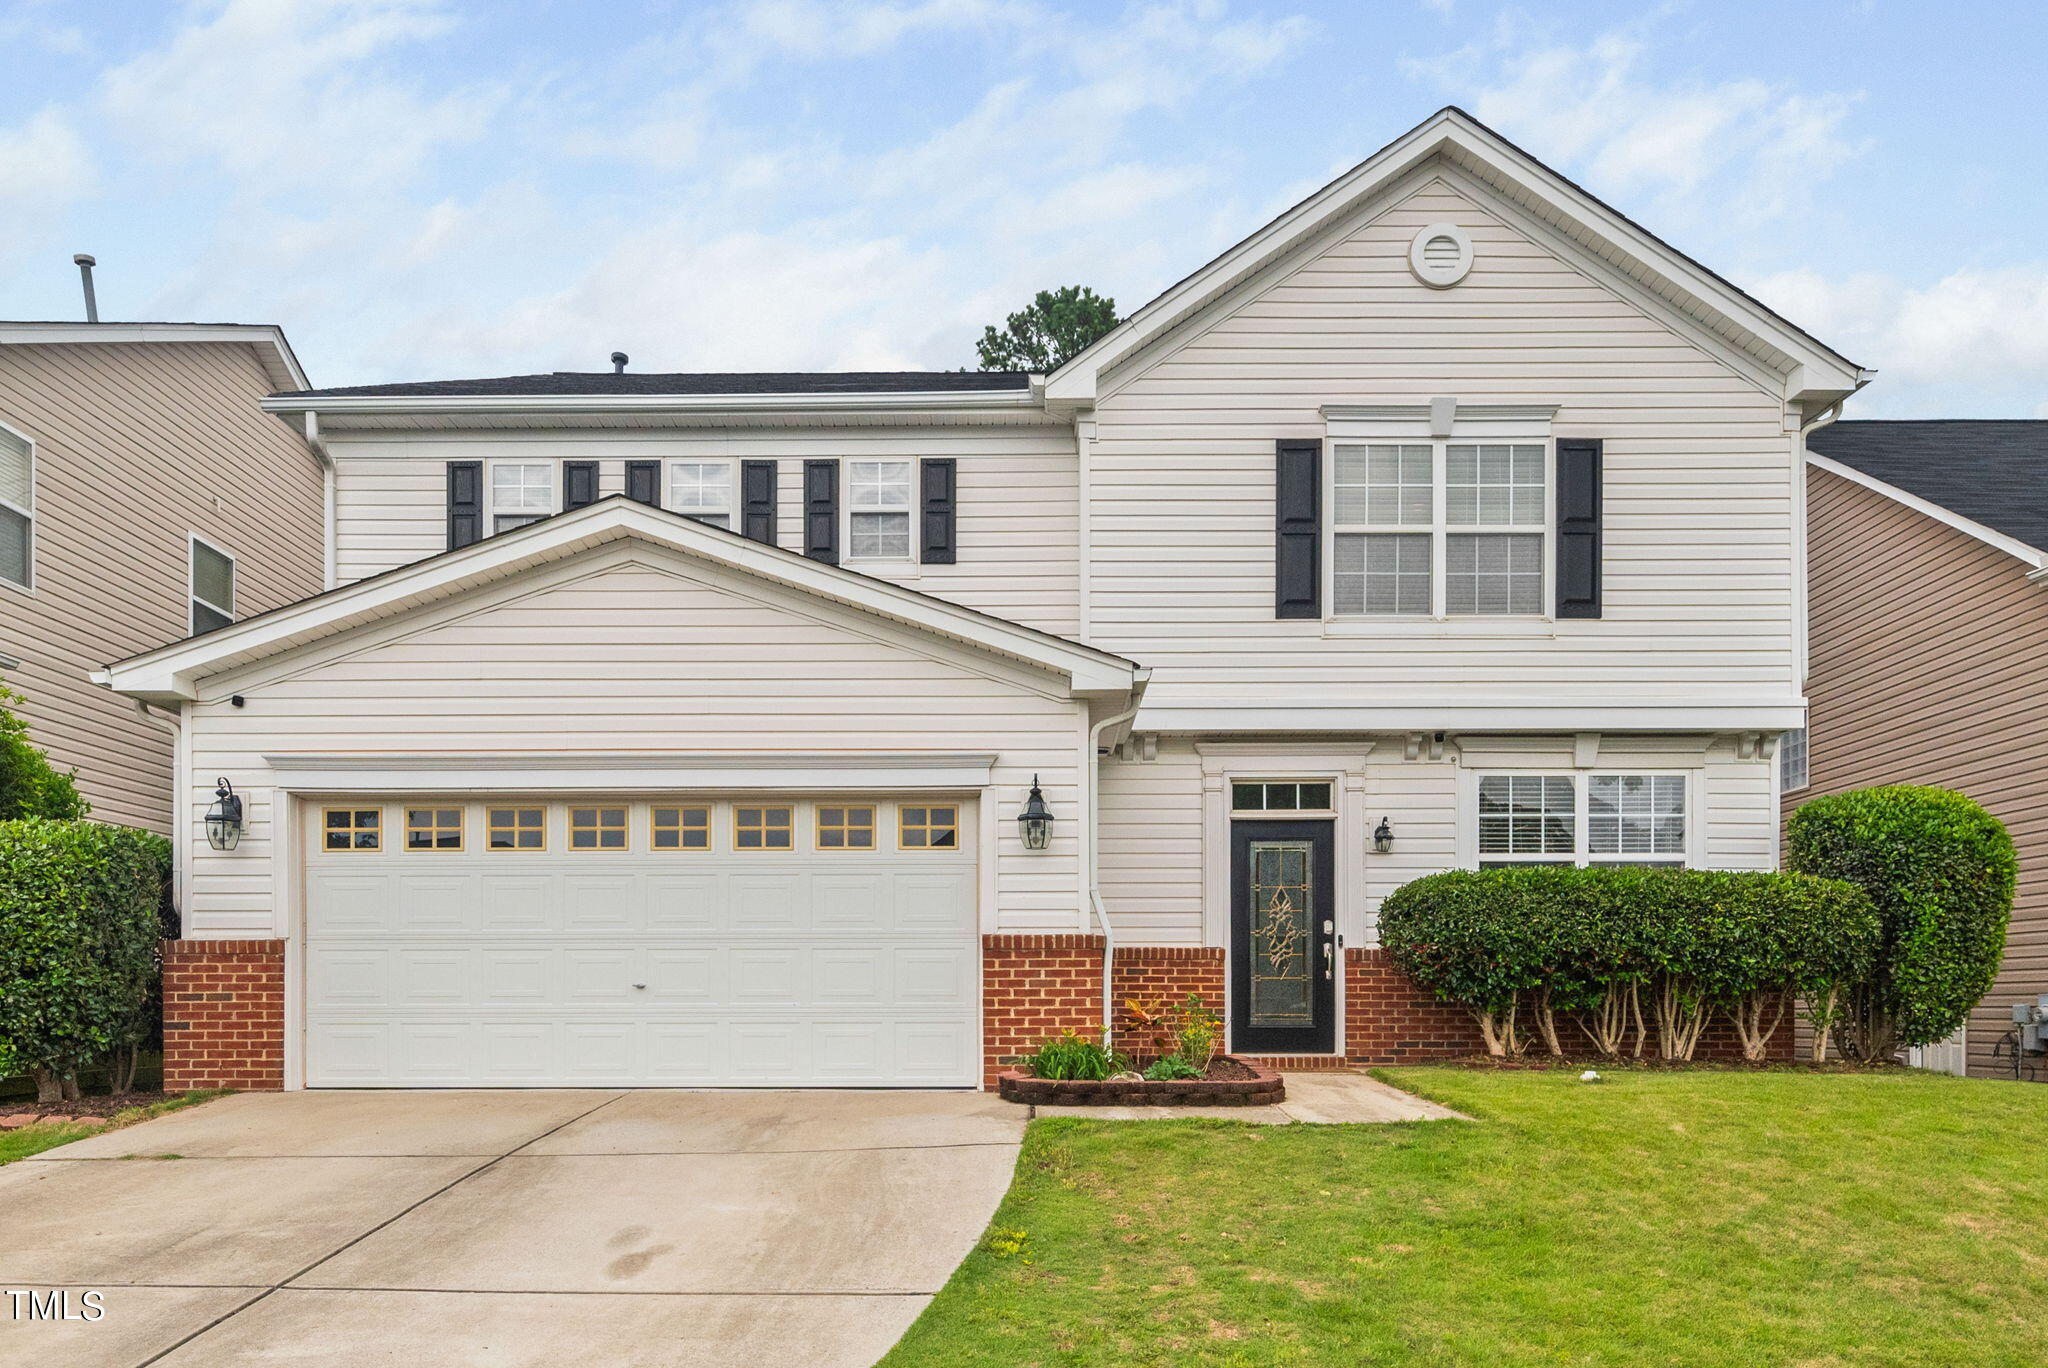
column 1439, row 528
column 702, row 490
column 521, row 492
column 17, row 506
column 1598, row 819
column 212, row 587
column 878, row 495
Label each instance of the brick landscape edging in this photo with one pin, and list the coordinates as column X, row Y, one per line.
column 223, row 1015
column 1263, row 1088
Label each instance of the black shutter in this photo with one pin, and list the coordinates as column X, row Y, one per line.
column 821, row 511
column 1298, row 536
column 757, row 501
column 579, row 484
column 1578, row 527
column 938, row 544
column 465, row 503
column 643, row 482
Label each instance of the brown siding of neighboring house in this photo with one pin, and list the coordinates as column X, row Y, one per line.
column 1929, row 651
column 139, row 445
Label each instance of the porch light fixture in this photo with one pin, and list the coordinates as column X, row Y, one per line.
column 1383, row 836
column 1034, row 823
column 224, row 818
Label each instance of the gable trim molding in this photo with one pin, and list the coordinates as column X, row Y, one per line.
column 2036, row 559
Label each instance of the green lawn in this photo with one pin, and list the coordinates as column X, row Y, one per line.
column 27, row 1140
column 1755, row 1220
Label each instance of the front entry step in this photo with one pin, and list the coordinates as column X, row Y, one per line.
column 1296, row 1063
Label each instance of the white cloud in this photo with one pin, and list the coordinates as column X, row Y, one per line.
column 1974, row 343
column 1741, row 148
column 45, row 167
column 281, row 95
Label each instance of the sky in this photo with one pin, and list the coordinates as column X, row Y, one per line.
column 423, row 189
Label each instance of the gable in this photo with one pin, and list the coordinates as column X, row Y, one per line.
column 635, row 623
column 1450, row 143
column 1345, row 314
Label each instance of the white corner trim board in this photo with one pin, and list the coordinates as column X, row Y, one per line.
column 2013, row 546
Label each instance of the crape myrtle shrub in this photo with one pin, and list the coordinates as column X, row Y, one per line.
column 80, row 914
column 1940, row 870
column 1620, row 960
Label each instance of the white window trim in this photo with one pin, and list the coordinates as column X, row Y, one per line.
column 1438, row 529
column 192, row 600
column 491, row 509
column 28, row 587
column 1582, row 855
column 732, row 465
column 908, row 564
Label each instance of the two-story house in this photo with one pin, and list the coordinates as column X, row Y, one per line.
column 144, row 497
column 696, row 729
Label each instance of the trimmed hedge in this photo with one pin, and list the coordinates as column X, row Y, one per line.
column 80, row 914
column 1618, row 951
column 1941, row 871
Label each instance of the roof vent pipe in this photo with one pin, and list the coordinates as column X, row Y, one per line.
column 619, row 360
column 92, row 304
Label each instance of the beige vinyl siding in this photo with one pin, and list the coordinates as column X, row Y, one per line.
column 1928, row 650
column 1699, row 494
column 1152, row 853
column 636, row 651
column 1018, row 516
column 139, row 445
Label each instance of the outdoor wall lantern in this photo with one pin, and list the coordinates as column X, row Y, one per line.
column 224, row 818
column 1034, row 823
column 1383, row 836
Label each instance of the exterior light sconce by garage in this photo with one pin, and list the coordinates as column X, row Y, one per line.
column 224, row 818
column 1034, row 823
column 1383, row 837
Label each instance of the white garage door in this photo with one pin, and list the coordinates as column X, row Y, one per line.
column 523, row 942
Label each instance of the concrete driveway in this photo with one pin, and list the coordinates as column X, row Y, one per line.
column 552, row 1228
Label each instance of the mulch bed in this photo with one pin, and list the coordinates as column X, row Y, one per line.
column 24, row 1111
column 1230, row 1082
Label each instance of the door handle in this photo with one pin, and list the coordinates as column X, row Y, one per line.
column 639, row 985
column 1329, row 957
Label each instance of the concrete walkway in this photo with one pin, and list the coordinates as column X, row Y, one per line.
column 557, row 1228
column 1324, row 1097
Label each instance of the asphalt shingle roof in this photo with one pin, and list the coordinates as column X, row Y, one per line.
column 1992, row 471
column 583, row 383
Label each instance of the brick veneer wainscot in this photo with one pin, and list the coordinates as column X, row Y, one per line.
column 1162, row 975
column 224, row 1014
column 1033, row 987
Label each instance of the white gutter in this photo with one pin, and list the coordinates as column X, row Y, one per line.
column 1093, row 851
column 911, row 402
column 326, row 459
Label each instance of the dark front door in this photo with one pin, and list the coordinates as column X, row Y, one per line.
column 1283, row 937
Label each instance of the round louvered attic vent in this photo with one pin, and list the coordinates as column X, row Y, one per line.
column 1440, row 255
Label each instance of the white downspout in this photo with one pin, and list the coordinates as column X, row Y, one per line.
column 1092, row 848
column 326, row 459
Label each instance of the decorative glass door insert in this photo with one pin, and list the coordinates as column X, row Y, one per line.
column 1283, row 908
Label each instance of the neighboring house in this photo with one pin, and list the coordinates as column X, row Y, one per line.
column 676, row 729
column 1928, row 572
column 143, row 497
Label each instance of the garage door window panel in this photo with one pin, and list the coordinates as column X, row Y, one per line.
column 517, row 828
column 682, row 828
column 763, row 828
column 846, row 828
column 433, row 828
column 597, row 828
column 352, row 829
column 928, row 828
